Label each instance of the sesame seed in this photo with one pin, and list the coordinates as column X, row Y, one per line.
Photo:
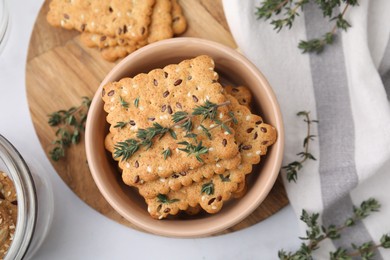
column 258, row 152
column 149, row 169
column 162, row 179
column 248, row 118
column 249, row 154
column 218, row 165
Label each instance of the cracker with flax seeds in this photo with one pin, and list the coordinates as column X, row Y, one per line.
column 151, row 189
column 211, row 193
column 148, row 102
column 160, row 28
column 126, row 19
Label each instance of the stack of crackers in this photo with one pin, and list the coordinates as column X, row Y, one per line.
column 203, row 169
column 118, row 27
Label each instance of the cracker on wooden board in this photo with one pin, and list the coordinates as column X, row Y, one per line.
column 160, row 28
column 254, row 140
column 127, row 19
column 160, row 94
column 179, row 22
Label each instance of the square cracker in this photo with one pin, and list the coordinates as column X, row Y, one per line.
column 254, row 137
column 127, row 19
column 160, row 28
column 159, row 94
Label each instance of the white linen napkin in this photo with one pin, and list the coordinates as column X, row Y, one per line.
column 346, row 88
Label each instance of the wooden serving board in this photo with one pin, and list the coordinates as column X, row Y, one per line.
column 60, row 70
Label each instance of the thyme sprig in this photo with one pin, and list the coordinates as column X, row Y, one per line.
column 293, row 167
column 70, row 124
column 315, row 234
column 196, row 150
column 289, row 9
column 161, row 198
column 145, row 137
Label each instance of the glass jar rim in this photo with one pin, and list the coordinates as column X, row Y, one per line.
column 21, row 176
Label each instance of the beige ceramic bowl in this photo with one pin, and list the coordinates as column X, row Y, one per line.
column 232, row 68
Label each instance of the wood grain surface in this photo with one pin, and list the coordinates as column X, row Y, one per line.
column 60, row 70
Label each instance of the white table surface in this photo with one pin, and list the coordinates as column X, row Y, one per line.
column 79, row 232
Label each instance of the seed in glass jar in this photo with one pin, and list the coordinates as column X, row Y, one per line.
column 119, row 31
column 136, row 179
column 170, row 109
column 189, row 77
column 103, row 38
column 151, row 119
column 111, row 92
column 235, row 90
column 155, row 82
column 246, row 147
column 82, row 28
column 183, row 173
column 136, row 164
column 263, row 129
column 124, row 29
column 224, row 142
column 264, row 142
column 259, row 122
column 110, row 9
column 163, row 108
column 177, row 82
column 132, row 122
column 167, row 210
column 166, row 93
column 249, row 130
column 255, row 136
column 175, row 176
column 178, row 105
column 195, row 98
column 143, row 30
column 103, row 92
column 219, row 198
column 66, row 16
column 166, row 74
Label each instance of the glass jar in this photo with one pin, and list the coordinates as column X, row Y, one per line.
column 4, row 24
column 35, row 202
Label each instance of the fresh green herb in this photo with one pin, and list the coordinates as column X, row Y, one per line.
column 123, row 102
column 208, row 188
column 126, row 149
column 293, row 167
column 161, row 198
column 120, row 124
column 196, row 150
column 208, row 110
column 146, row 135
column 136, row 102
column 70, row 123
column 166, row 153
column 183, row 119
column 233, row 117
column 315, row 234
column 289, row 10
column 206, row 131
column 225, row 178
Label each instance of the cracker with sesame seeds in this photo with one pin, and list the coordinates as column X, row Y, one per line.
column 160, row 28
column 150, row 189
column 179, row 22
column 210, row 194
column 127, row 19
column 241, row 93
column 149, row 100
